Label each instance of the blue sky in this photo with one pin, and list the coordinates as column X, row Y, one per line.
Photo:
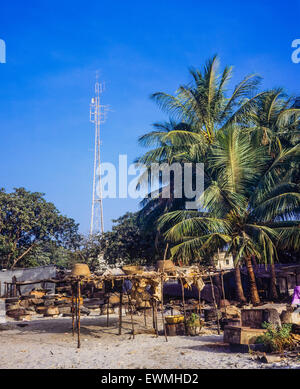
column 55, row 47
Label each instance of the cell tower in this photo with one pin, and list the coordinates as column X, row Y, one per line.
column 97, row 116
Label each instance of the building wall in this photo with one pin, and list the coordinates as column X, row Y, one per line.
column 28, row 274
column 223, row 263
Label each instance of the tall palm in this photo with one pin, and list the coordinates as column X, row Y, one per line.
column 198, row 111
column 275, row 121
column 248, row 205
column 204, row 103
column 276, row 124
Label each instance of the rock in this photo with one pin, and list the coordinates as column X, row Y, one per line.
column 64, row 310
column 95, row 311
column 271, row 316
column 29, row 312
column 24, row 303
column 15, row 312
column 11, row 300
column 84, row 311
column 36, row 301
column 51, row 311
column 11, row 307
column 41, row 309
column 104, row 311
column 288, row 317
column 296, row 329
column 114, row 299
column 269, row 358
column 24, row 318
column 63, row 303
column 49, row 302
column 224, row 303
column 31, row 309
column 37, row 293
column 232, row 311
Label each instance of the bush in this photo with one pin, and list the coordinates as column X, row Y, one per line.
column 276, row 338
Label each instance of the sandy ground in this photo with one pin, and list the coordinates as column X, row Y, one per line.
column 48, row 343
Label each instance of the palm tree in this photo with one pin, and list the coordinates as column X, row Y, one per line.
column 248, row 205
column 198, row 110
column 275, row 121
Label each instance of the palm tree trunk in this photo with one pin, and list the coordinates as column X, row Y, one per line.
column 253, row 288
column 274, row 294
column 238, row 283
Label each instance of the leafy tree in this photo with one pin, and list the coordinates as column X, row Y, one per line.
column 27, row 222
column 127, row 241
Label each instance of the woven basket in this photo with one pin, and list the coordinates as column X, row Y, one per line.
column 131, row 269
column 165, row 265
column 81, row 269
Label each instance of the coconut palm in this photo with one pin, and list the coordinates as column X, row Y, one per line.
column 204, row 103
column 198, row 110
column 248, row 205
column 275, row 121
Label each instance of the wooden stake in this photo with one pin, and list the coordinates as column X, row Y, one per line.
column 153, row 317
column 145, row 316
column 107, row 311
column 199, row 301
column 215, row 304
column 78, row 315
column 76, row 308
column 162, row 308
column 120, row 312
column 223, row 291
column 183, row 302
column 72, row 309
column 131, row 315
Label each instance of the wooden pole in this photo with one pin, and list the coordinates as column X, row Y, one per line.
column 72, row 310
column 162, row 307
column 155, row 318
column 131, row 315
column 183, row 302
column 78, row 326
column 223, row 291
column 107, row 311
column 199, row 301
column 215, row 304
column 120, row 312
column 145, row 316
column 76, row 307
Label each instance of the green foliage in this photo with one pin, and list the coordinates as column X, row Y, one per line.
column 127, row 241
column 193, row 320
column 32, row 231
column 276, row 338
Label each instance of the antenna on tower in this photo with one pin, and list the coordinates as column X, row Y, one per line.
column 98, row 114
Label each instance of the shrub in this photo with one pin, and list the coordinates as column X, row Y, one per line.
column 276, row 338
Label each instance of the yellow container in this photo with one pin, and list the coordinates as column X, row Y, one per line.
column 174, row 319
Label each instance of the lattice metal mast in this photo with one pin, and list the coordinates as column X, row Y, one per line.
column 97, row 116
